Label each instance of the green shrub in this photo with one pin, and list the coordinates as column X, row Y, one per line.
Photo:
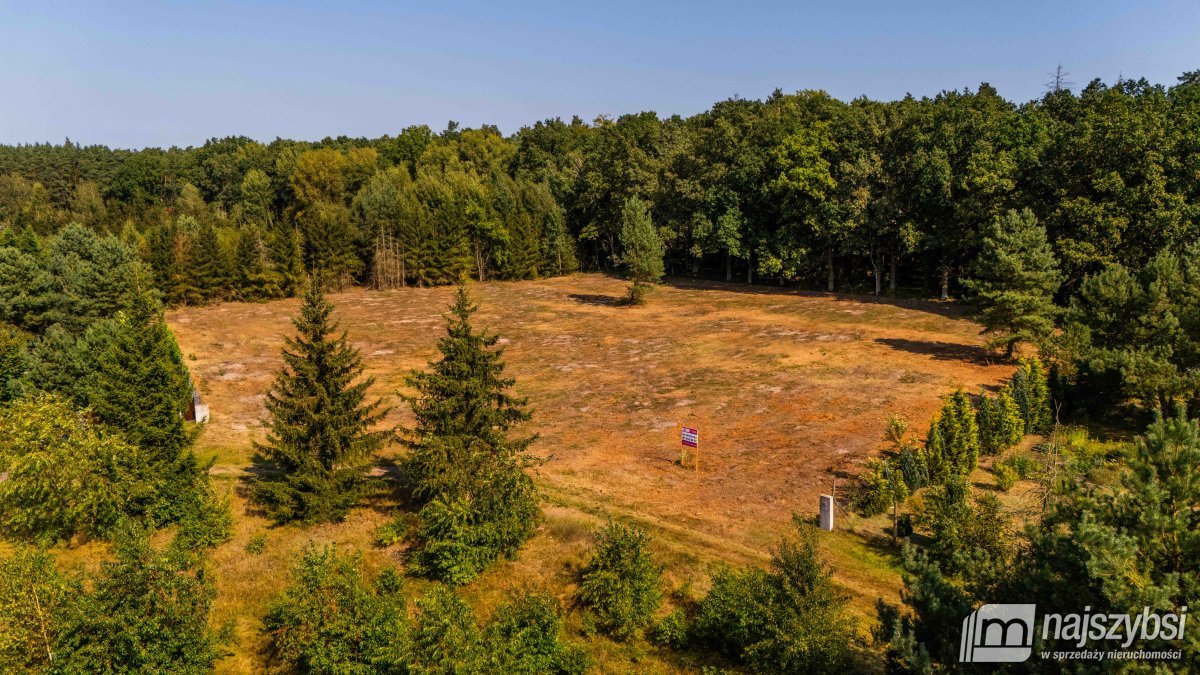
column 789, row 619
column 399, row 528
column 1024, row 465
column 874, row 495
column 257, row 544
column 1006, row 476
column 621, row 583
column 331, row 619
column 523, row 637
column 672, row 630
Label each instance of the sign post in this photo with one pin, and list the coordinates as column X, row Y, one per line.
column 691, row 439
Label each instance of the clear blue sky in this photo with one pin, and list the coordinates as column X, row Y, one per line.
column 132, row 74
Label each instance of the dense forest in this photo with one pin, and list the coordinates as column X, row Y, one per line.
column 1070, row 223
column 887, row 197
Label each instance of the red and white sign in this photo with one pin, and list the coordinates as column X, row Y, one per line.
column 691, row 437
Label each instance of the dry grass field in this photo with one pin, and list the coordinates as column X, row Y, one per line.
column 789, row 390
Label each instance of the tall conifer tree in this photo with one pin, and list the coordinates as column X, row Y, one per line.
column 465, row 464
column 321, row 431
column 1016, row 278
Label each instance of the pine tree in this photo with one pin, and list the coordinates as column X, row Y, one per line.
column 1031, row 391
column 999, row 421
column 1016, row 279
column 953, row 443
column 643, row 248
column 465, row 465
column 139, row 382
column 935, row 455
column 321, row 431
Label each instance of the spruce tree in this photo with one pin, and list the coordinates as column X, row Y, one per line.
column 465, row 465
column 321, row 432
column 139, row 384
column 210, row 266
column 1016, row 277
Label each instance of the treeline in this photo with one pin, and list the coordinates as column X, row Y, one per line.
column 899, row 196
column 795, row 187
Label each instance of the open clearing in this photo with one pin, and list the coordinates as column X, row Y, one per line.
column 790, row 391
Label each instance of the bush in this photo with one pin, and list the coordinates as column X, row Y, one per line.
column 257, row 544
column 1006, row 476
column 874, row 495
column 524, row 637
column 399, row 528
column 63, row 475
column 331, row 620
column 1024, row 465
column 621, row 583
column 148, row 612
column 672, row 630
column 790, row 619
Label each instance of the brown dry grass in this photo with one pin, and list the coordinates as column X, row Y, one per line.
column 790, row 391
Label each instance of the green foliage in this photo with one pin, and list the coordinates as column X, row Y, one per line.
column 321, row 431
column 672, row 630
column 139, row 383
column 331, row 619
column 64, row 476
column 256, row 544
column 620, row 584
column 1031, row 392
column 148, row 612
column 524, row 636
column 952, row 447
column 642, row 248
column 1006, row 475
column 38, row 605
column 788, row 619
column 466, row 467
column 929, row 634
column 965, row 530
column 1016, row 277
column 883, row 486
column 1000, row 422
column 1131, row 542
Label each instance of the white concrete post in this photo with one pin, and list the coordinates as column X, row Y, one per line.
column 826, row 521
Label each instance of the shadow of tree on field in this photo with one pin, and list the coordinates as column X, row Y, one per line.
column 598, row 300
column 943, row 351
column 951, row 310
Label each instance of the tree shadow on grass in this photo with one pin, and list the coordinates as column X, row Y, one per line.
column 951, row 310
column 599, row 300
column 943, row 351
